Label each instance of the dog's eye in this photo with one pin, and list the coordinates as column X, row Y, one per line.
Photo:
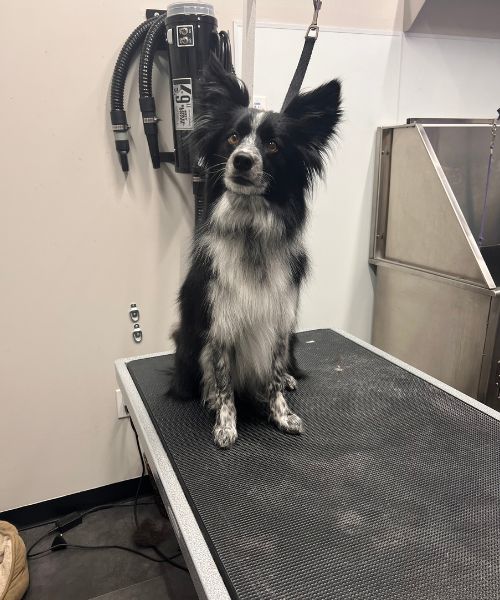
column 272, row 147
column 233, row 139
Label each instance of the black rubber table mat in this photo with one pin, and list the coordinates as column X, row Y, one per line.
column 392, row 491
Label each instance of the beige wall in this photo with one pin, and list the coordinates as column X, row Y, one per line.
column 80, row 241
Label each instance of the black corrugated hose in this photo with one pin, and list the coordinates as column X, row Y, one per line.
column 148, row 33
column 118, row 115
column 146, row 100
column 224, row 52
column 134, row 40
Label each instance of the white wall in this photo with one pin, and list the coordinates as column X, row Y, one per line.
column 80, row 242
column 386, row 77
column 339, row 292
column 446, row 76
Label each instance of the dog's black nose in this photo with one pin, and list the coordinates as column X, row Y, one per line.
column 242, row 161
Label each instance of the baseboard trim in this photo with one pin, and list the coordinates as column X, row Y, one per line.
column 50, row 510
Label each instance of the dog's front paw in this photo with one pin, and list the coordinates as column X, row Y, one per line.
column 225, row 437
column 290, row 423
column 290, row 382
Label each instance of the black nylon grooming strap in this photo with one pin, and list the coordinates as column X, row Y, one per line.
column 300, row 71
column 305, row 57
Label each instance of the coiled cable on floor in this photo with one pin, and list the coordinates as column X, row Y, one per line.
column 118, row 114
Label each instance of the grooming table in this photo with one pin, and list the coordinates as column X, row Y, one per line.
column 392, row 491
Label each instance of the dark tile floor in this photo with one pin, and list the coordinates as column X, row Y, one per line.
column 73, row 574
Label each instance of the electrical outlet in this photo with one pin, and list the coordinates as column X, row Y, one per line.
column 120, row 405
column 259, row 102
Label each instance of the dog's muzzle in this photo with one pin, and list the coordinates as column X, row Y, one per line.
column 244, row 172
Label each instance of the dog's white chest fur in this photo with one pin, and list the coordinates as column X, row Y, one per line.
column 253, row 299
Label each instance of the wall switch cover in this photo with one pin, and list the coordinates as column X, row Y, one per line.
column 120, row 405
column 259, row 102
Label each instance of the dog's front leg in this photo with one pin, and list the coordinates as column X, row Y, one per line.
column 222, row 398
column 279, row 411
column 289, row 382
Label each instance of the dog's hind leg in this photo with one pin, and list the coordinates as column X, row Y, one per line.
column 218, row 392
column 279, row 411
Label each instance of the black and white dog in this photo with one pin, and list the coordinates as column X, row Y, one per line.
column 238, row 303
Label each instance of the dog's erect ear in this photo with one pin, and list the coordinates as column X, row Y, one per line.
column 221, row 90
column 317, row 113
column 220, row 94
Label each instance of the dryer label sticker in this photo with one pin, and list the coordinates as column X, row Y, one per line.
column 183, row 102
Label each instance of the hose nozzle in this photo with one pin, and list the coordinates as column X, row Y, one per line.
column 120, row 131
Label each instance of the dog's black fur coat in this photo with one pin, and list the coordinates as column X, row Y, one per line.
column 239, row 299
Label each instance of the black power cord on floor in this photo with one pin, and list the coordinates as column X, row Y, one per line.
column 70, row 521
column 143, row 473
column 88, row 512
column 29, row 527
column 60, row 543
column 36, row 542
column 154, row 547
column 64, row 545
column 107, row 506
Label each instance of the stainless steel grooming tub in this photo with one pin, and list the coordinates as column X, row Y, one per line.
column 437, row 293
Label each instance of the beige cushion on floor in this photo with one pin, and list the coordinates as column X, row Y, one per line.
column 14, row 577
